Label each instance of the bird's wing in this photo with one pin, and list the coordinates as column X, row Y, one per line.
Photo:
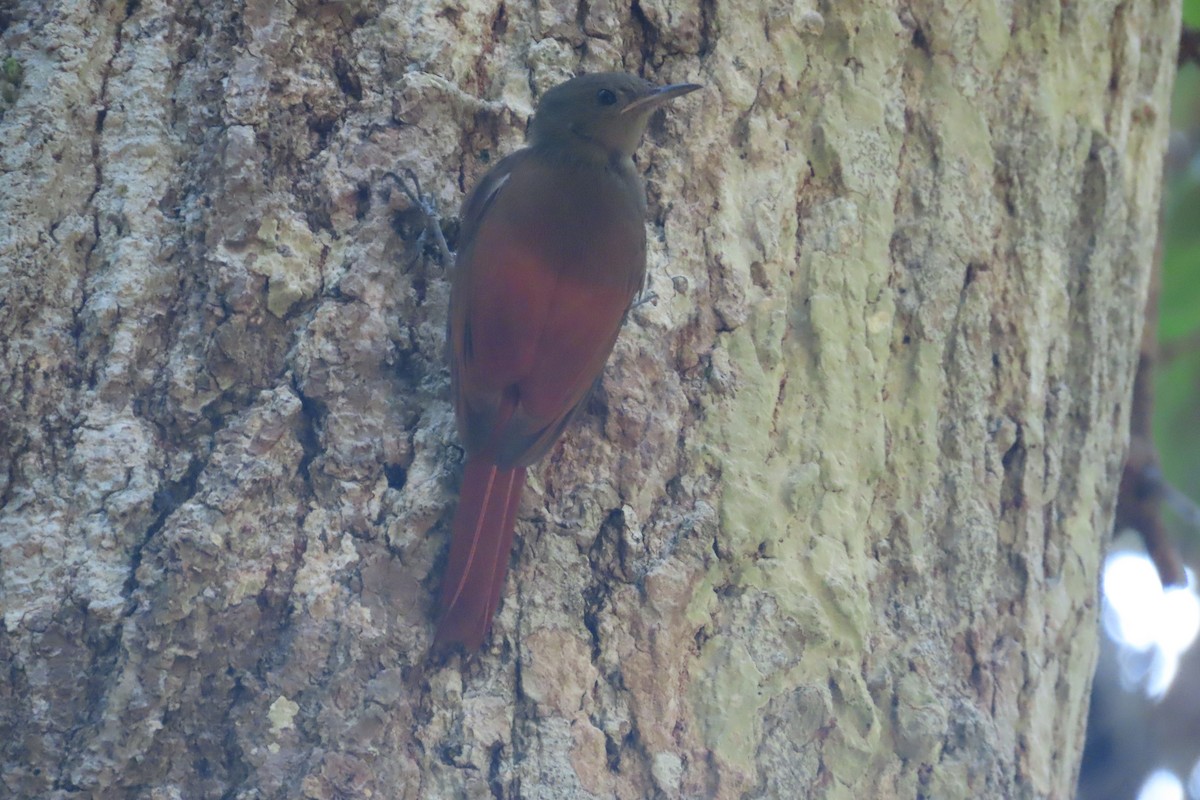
column 483, row 195
column 458, row 328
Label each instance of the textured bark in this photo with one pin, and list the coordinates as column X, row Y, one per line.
column 830, row 527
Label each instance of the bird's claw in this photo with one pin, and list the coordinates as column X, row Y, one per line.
column 411, row 186
column 645, row 298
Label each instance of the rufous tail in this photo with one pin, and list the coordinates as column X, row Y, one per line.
column 479, row 552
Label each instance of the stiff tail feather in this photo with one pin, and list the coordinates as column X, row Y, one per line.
column 479, row 552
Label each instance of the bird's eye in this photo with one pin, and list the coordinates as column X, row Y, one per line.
column 606, row 97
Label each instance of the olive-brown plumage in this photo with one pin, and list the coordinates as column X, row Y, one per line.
column 552, row 253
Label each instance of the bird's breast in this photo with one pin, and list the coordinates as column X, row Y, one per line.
column 585, row 225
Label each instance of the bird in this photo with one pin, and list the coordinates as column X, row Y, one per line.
column 551, row 254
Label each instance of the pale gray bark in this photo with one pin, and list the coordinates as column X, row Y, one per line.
column 831, row 526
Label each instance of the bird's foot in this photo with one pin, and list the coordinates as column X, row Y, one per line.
column 428, row 208
column 644, row 298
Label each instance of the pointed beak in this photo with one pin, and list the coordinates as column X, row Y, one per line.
column 658, row 96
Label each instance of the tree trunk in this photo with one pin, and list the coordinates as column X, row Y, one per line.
column 831, row 525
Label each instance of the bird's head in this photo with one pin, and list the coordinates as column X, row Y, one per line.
column 605, row 110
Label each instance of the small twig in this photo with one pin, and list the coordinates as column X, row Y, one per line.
column 1185, row 345
column 1143, row 489
column 428, row 208
column 1189, row 46
column 1183, row 506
